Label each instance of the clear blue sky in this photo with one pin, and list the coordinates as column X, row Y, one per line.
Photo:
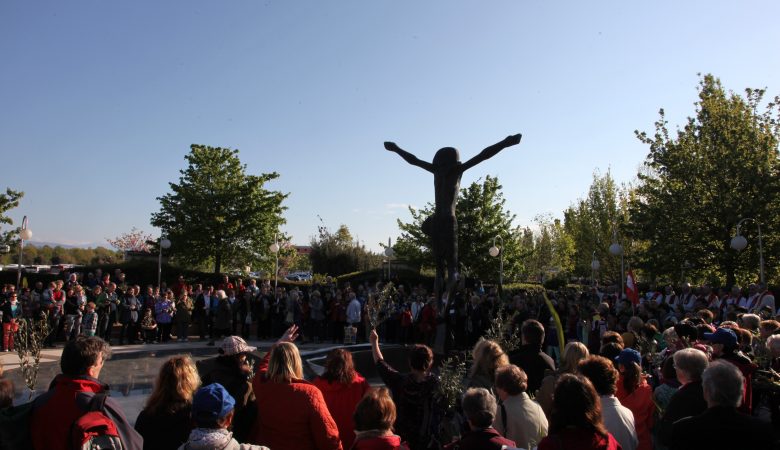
column 100, row 101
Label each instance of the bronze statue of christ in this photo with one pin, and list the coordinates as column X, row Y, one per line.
column 442, row 226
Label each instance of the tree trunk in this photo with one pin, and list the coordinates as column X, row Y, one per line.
column 218, row 262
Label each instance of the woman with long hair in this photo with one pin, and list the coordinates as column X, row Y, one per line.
column 488, row 357
column 342, row 388
column 576, row 422
column 573, row 353
column 165, row 421
column 635, row 394
column 374, row 418
column 292, row 414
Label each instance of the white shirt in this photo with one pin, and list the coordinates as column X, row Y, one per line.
column 525, row 420
column 353, row 311
column 619, row 421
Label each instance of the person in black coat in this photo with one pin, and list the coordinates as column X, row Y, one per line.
column 688, row 401
column 721, row 426
column 530, row 356
column 165, row 422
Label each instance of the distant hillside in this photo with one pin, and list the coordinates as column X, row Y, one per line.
column 56, row 244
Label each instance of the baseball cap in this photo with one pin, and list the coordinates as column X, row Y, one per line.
column 211, row 403
column 233, row 345
column 627, row 356
column 725, row 336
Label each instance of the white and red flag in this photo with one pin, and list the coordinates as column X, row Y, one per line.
column 632, row 292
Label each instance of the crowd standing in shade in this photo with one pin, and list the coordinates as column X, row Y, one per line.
column 634, row 375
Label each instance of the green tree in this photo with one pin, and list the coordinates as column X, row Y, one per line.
column 481, row 216
column 593, row 223
column 336, row 253
column 553, row 249
column 720, row 167
column 8, row 201
column 218, row 213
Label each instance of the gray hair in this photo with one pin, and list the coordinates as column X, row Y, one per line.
column 750, row 321
column 691, row 361
column 479, row 406
column 723, row 384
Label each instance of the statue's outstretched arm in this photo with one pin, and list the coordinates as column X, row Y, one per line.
column 408, row 157
column 491, row 151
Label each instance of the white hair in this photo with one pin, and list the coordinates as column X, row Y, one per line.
column 723, row 384
column 691, row 361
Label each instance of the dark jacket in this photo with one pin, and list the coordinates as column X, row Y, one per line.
column 721, row 427
column 688, row 401
column 487, row 439
column 534, row 363
column 223, row 370
column 414, row 402
column 165, row 430
column 55, row 411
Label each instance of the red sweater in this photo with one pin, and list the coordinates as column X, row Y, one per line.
column 640, row 402
column 379, row 443
column 291, row 416
column 342, row 399
column 578, row 439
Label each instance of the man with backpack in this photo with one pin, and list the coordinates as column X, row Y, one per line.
column 58, row 422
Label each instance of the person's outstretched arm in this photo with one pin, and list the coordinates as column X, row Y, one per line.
column 491, row 151
column 375, row 351
column 408, row 157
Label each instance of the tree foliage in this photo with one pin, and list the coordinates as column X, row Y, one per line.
column 697, row 183
column 218, row 213
column 336, row 253
column 48, row 255
column 481, row 216
column 594, row 223
column 8, row 201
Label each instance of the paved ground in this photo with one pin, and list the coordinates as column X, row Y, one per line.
column 132, row 368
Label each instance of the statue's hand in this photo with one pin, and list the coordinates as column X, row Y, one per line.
column 391, row 146
column 513, row 140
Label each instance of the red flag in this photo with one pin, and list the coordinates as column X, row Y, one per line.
column 632, row 292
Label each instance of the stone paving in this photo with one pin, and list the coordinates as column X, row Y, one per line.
column 131, row 371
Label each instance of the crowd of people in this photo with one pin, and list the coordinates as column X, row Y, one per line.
column 691, row 370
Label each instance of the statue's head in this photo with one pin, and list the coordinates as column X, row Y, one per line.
column 446, row 156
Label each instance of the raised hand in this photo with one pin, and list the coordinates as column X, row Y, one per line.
column 391, row 146
column 290, row 335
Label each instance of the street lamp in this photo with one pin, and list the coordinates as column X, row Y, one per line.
column 389, row 252
column 498, row 251
column 24, row 235
column 594, row 266
column 275, row 250
column 616, row 249
column 164, row 244
column 739, row 243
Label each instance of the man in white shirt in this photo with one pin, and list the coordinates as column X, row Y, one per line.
column 765, row 299
column 519, row 418
column 618, row 419
column 752, row 297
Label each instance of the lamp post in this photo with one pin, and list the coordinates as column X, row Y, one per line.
column 498, row 251
column 739, row 243
column 164, row 244
column 594, row 266
column 616, row 249
column 389, row 252
column 24, row 235
column 275, row 250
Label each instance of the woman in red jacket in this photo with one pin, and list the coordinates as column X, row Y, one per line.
column 576, row 422
column 635, row 394
column 374, row 418
column 292, row 414
column 342, row 388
